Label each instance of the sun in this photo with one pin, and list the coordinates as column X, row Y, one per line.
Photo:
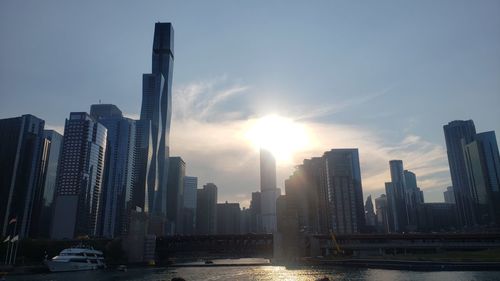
column 282, row 136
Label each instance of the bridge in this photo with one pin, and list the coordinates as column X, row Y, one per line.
column 403, row 243
column 215, row 246
column 269, row 245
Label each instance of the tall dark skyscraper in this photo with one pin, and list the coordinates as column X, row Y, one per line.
column 396, row 198
column 483, row 170
column 457, row 134
column 80, row 177
column 119, row 171
column 307, row 196
column 44, row 201
column 345, row 193
column 21, row 151
column 154, row 128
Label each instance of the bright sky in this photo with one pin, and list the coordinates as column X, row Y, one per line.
column 383, row 76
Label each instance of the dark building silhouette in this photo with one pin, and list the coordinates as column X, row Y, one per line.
column 371, row 219
column 413, row 197
column 228, row 218
column 345, row 191
column 436, row 217
column 175, row 195
column 306, row 194
column 288, row 240
column 118, row 179
column 457, row 133
column 245, row 221
column 206, row 209
column 325, row 194
column 396, row 198
column 80, row 177
column 268, row 190
column 475, row 173
column 153, row 129
column 44, row 199
column 382, row 214
column 483, row 170
column 189, row 211
column 22, row 150
column 255, row 213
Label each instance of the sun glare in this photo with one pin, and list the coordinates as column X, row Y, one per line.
column 282, row 136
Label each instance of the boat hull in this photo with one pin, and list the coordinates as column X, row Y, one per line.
column 56, row 266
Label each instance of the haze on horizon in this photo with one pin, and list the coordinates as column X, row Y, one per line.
column 381, row 76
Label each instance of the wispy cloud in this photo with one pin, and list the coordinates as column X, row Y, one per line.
column 342, row 105
column 199, row 100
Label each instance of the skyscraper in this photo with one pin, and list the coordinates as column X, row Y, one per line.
column 457, row 133
column 307, row 195
column 345, row 193
column 189, row 211
column 21, row 149
column 398, row 219
column 268, row 190
column 483, row 170
column 413, row 197
column 44, row 200
column 155, row 122
column 79, row 180
column 119, row 171
column 175, row 195
column 206, row 209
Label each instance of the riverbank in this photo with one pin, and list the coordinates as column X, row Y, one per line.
column 475, row 261
column 409, row 264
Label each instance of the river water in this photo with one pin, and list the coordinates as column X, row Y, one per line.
column 260, row 273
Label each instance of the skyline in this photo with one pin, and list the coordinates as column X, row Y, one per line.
column 212, row 103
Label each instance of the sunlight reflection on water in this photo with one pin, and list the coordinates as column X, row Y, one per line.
column 260, row 273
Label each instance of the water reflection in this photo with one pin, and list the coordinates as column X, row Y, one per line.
column 260, row 273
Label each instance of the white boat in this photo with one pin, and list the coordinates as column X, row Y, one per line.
column 76, row 258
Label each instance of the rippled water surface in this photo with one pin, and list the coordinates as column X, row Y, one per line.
column 257, row 273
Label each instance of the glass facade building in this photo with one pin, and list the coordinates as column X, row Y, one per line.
column 155, row 122
column 345, row 195
column 44, row 201
column 119, row 170
column 79, row 182
column 457, row 133
column 21, row 169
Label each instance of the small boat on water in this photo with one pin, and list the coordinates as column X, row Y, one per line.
column 75, row 259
